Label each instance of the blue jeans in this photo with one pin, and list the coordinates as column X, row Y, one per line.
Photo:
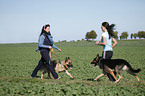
column 45, row 58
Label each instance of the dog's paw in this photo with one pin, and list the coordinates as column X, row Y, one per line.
column 95, row 79
column 90, row 79
column 59, row 77
column 139, row 81
column 72, row 78
column 116, row 81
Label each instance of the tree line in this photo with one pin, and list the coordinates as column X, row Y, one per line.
column 92, row 35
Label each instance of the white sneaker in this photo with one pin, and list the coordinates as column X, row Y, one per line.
column 59, row 77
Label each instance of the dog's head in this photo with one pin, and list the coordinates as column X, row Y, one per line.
column 96, row 60
column 68, row 62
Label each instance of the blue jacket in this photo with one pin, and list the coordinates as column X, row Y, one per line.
column 43, row 42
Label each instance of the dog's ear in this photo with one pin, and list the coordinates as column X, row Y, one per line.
column 97, row 57
column 66, row 59
column 59, row 61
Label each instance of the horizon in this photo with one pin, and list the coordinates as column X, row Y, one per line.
column 73, row 41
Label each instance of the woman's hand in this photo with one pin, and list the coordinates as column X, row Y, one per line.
column 114, row 42
column 97, row 42
column 50, row 47
column 59, row 50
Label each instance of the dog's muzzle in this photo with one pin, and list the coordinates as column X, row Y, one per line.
column 93, row 63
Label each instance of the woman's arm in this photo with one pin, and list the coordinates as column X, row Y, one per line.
column 51, row 40
column 102, row 43
column 41, row 41
column 56, row 47
column 114, row 42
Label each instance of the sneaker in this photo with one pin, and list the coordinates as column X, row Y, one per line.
column 59, row 77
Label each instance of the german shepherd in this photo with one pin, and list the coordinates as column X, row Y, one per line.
column 114, row 66
column 58, row 67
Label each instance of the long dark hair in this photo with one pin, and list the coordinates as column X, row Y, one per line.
column 43, row 31
column 109, row 28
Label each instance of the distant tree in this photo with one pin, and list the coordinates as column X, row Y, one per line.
column 63, row 41
column 141, row 34
column 82, row 39
column 144, row 34
column 116, row 35
column 131, row 35
column 78, row 40
column 92, row 35
column 87, row 36
column 135, row 35
column 124, row 35
column 120, row 37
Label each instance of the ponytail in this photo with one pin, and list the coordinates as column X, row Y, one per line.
column 109, row 28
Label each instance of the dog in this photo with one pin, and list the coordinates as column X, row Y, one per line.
column 58, row 66
column 114, row 66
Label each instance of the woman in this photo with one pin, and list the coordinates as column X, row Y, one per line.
column 106, row 42
column 45, row 43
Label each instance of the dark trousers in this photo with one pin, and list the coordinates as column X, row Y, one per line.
column 45, row 58
column 108, row 55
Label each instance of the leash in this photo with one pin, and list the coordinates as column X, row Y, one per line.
column 53, row 52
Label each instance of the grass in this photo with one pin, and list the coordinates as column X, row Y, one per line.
column 17, row 61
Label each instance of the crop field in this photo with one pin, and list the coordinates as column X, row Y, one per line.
column 17, row 61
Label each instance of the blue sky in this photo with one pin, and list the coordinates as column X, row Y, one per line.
column 22, row 20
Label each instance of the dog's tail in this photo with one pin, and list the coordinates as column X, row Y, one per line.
column 131, row 69
column 136, row 71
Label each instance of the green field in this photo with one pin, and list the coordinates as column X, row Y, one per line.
column 17, row 61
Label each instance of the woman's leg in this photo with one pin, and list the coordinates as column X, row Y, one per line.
column 34, row 74
column 45, row 56
column 108, row 55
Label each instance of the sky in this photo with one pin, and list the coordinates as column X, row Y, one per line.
column 21, row 20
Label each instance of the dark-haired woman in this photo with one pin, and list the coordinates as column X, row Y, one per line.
column 106, row 42
column 45, row 43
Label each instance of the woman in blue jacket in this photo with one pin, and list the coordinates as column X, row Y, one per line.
column 45, row 43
